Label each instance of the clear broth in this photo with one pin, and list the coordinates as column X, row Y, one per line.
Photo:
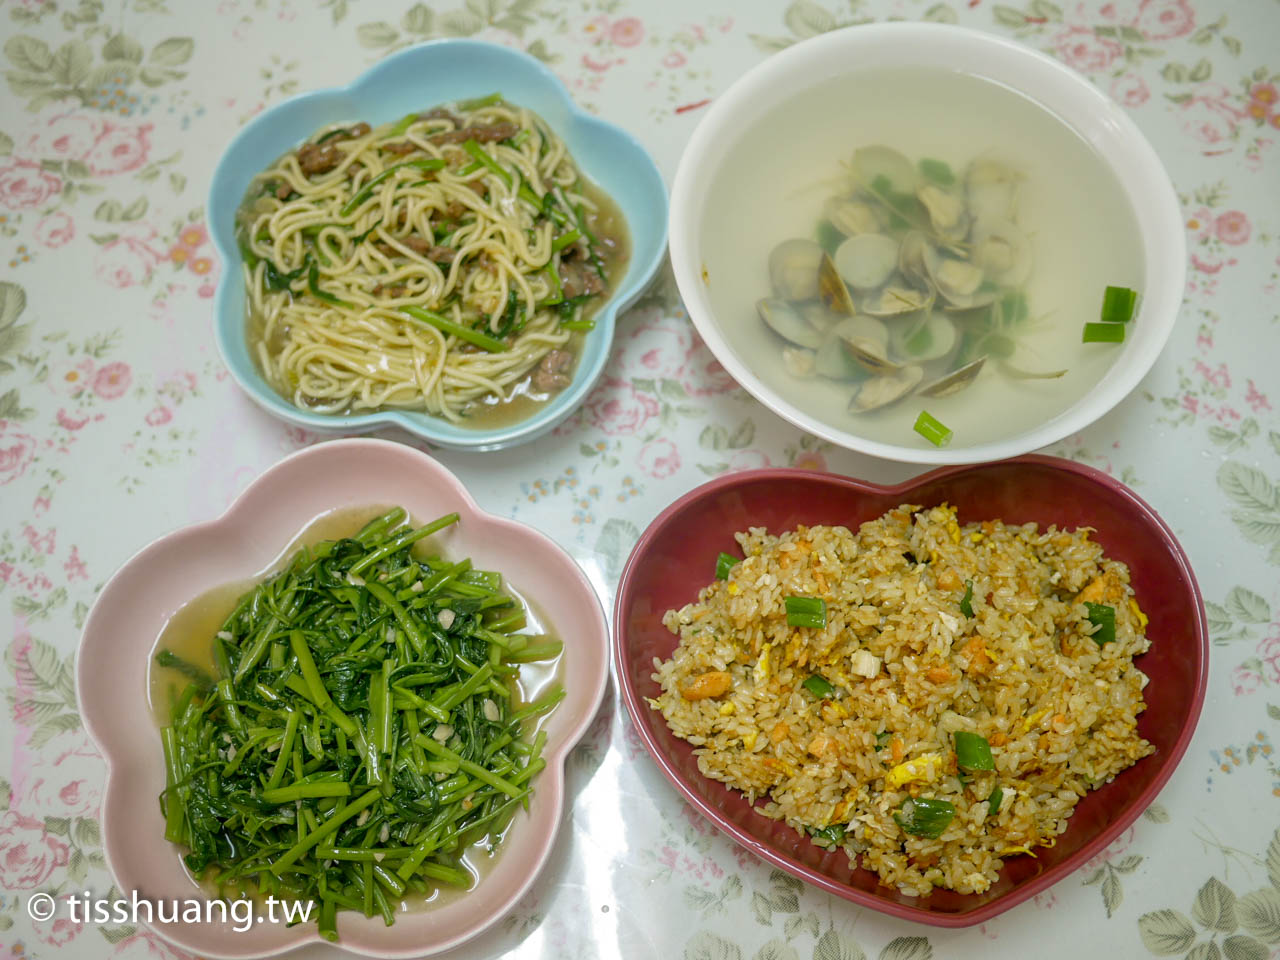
column 1083, row 230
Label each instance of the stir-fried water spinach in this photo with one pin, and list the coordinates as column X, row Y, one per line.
column 363, row 729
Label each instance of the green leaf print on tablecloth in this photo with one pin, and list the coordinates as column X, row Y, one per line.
column 804, row 19
column 708, row 946
column 13, row 337
column 1258, row 518
column 45, row 693
column 833, row 945
column 42, row 74
column 422, row 22
column 1109, row 876
column 1217, row 918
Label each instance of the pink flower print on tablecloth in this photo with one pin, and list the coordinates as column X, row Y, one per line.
column 626, row 32
column 810, row 460
column 28, row 855
column 67, row 422
column 24, row 185
column 74, row 378
column 1209, row 116
column 74, row 567
column 1233, row 227
column 61, row 930
column 1081, row 48
column 1165, row 19
column 16, row 452
column 1269, row 655
column 1201, row 224
column 186, row 251
column 1256, row 399
column 129, row 259
column 119, row 149
column 159, row 416
column 67, row 135
column 669, row 348
column 55, row 230
column 659, row 458
column 1245, row 680
column 1130, row 90
column 619, row 409
column 111, row 381
column 595, row 30
column 60, row 793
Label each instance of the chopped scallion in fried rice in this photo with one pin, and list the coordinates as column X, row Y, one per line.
column 961, row 695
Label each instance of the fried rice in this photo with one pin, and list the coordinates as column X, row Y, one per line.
column 930, row 629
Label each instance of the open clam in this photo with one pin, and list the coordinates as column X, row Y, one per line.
column 931, row 339
column 912, row 253
column 834, row 362
column 1020, row 362
column 991, row 190
column 886, row 389
column 819, row 316
column 960, row 283
column 866, row 341
column 793, row 269
column 831, row 288
column 851, row 216
column 884, row 170
column 786, row 321
column 946, row 210
column 1002, row 250
column 955, row 381
column 867, row 261
column 897, row 300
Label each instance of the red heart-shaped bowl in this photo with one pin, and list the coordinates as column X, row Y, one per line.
column 676, row 556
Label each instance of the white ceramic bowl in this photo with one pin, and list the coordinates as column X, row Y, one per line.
column 714, row 156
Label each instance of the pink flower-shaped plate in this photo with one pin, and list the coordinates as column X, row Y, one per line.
column 676, row 556
column 134, row 606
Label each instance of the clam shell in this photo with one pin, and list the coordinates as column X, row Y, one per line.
column 1002, row 250
column 832, row 289
column 991, row 189
column 883, row 390
column 867, row 261
column 932, row 339
column 872, row 163
column 793, row 269
column 897, row 301
column 835, row 363
column 955, row 381
column 785, row 320
column 946, row 210
column 850, row 216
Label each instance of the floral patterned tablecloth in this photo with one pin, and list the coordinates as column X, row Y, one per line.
column 118, row 422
